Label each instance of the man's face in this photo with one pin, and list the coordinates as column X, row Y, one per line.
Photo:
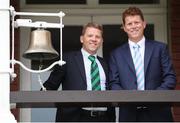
column 91, row 40
column 134, row 26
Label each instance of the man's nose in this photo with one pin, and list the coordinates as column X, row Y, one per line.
column 94, row 38
column 133, row 25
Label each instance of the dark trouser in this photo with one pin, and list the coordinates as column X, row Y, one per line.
column 77, row 114
column 145, row 114
column 93, row 116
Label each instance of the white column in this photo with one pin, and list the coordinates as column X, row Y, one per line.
column 5, row 114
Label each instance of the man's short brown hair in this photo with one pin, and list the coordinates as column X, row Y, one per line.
column 94, row 25
column 131, row 11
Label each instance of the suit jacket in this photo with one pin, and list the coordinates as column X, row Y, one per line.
column 158, row 70
column 72, row 77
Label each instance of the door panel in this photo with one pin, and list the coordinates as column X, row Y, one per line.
column 113, row 36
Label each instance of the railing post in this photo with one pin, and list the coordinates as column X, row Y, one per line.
column 5, row 114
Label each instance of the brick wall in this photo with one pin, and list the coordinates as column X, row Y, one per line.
column 15, row 84
column 175, row 45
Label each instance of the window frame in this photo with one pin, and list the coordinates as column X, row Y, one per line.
column 90, row 4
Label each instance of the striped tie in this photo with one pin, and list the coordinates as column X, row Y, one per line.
column 139, row 67
column 95, row 77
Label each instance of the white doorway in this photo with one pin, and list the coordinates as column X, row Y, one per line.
column 109, row 18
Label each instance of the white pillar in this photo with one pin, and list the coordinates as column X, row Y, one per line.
column 5, row 114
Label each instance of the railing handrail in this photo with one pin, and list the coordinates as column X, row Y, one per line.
column 27, row 99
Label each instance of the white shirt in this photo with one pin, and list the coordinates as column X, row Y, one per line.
column 141, row 43
column 87, row 66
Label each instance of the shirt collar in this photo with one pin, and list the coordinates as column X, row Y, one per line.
column 86, row 54
column 141, row 43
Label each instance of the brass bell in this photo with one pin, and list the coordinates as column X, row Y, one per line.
column 40, row 47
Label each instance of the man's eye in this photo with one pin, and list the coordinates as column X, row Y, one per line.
column 89, row 35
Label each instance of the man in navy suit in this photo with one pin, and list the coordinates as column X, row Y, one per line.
column 75, row 75
column 157, row 70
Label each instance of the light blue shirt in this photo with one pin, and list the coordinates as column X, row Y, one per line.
column 141, row 43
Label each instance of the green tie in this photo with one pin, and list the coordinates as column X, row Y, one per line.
column 95, row 77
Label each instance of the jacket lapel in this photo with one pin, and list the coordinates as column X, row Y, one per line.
column 148, row 54
column 80, row 64
column 128, row 57
column 104, row 65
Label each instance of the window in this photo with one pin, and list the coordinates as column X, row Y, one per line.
column 55, row 1
column 114, row 37
column 129, row 1
column 71, row 35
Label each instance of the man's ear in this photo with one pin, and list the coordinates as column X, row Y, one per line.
column 123, row 27
column 144, row 23
column 81, row 39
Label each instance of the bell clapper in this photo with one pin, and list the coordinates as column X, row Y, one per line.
column 39, row 76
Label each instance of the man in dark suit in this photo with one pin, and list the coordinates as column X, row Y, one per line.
column 75, row 75
column 141, row 64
